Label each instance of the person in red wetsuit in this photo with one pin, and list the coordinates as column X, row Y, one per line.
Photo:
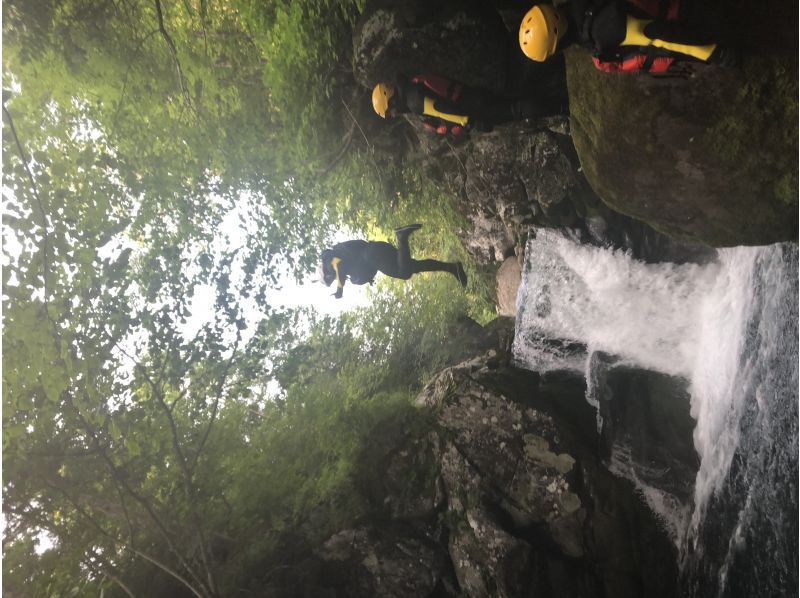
column 635, row 36
column 359, row 261
column 450, row 108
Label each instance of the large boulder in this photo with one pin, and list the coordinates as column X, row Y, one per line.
column 528, row 175
column 710, row 158
column 498, row 484
column 529, row 502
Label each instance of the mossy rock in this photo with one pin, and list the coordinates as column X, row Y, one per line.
column 711, row 157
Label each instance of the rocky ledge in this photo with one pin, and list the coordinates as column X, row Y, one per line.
column 501, row 486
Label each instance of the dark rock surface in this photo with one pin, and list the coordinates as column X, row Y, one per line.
column 383, row 561
column 520, row 177
column 501, row 486
column 467, row 41
column 711, row 158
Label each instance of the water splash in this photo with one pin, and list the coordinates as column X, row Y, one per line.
column 671, row 513
column 730, row 329
column 646, row 314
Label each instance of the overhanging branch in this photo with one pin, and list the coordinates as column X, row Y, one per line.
column 174, row 52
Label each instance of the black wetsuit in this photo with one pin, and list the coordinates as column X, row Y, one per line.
column 359, row 261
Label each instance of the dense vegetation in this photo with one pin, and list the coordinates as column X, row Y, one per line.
column 155, row 154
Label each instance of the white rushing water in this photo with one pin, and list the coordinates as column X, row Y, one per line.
column 716, row 404
column 721, row 326
column 647, row 314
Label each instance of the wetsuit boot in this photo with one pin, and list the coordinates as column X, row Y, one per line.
column 529, row 110
column 725, row 56
column 454, row 268
column 406, row 230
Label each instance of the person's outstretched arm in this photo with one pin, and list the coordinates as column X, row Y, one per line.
column 340, row 277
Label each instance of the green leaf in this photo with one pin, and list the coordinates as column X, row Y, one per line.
column 132, row 447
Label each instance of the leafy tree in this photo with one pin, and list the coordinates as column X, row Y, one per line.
column 154, row 154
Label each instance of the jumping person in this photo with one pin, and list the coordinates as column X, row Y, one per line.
column 359, row 261
column 451, row 108
column 623, row 36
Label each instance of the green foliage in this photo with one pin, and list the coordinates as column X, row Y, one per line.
column 181, row 151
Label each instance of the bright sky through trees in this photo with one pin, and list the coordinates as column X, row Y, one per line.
column 190, row 161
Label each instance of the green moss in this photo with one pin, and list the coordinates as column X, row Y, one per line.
column 726, row 139
column 786, row 188
column 730, row 136
column 760, row 121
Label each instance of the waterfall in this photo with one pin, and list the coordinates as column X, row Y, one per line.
column 730, row 329
column 646, row 314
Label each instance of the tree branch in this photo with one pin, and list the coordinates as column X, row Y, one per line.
column 341, row 153
column 218, row 395
column 174, row 53
column 142, row 501
column 369, row 145
column 105, row 573
column 189, row 489
column 45, row 237
column 86, row 515
column 125, row 82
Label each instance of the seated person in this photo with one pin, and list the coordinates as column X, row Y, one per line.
column 450, row 108
column 623, row 36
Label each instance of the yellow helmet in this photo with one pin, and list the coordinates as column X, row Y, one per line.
column 380, row 98
column 541, row 28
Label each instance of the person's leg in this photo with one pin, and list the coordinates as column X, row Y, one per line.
column 494, row 110
column 454, row 268
column 669, row 36
column 403, row 251
column 385, row 258
column 541, row 107
column 485, row 108
column 397, row 262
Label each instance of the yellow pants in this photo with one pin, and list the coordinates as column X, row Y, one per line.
column 635, row 36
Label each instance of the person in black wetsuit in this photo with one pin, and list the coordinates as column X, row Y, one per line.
column 359, row 261
column 448, row 107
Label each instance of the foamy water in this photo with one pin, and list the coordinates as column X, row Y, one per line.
column 729, row 328
column 647, row 314
column 717, row 373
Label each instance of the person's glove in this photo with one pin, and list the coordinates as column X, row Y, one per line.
column 338, row 294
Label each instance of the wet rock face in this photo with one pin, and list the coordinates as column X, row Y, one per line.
column 518, row 177
column 518, row 450
column 502, row 491
column 523, row 176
